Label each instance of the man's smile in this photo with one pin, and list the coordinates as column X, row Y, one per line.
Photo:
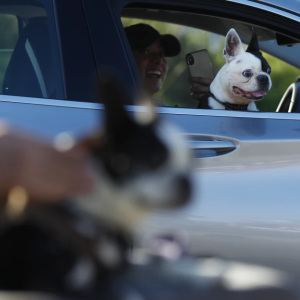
column 154, row 73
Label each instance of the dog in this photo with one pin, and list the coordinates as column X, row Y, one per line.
column 243, row 80
column 143, row 167
column 140, row 164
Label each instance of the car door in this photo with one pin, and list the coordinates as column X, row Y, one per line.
column 246, row 165
column 48, row 75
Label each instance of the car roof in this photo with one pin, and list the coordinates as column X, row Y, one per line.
column 291, row 5
column 218, row 25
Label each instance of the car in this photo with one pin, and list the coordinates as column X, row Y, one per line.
column 246, row 164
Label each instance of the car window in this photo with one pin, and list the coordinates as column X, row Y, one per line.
column 176, row 88
column 28, row 61
column 9, row 34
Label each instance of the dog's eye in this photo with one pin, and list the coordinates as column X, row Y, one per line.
column 247, row 73
column 269, row 70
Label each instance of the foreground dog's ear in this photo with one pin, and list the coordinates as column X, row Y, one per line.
column 148, row 115
column 233, row 46
column 114, row 94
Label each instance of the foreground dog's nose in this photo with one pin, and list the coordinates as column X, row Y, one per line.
column 262, row 78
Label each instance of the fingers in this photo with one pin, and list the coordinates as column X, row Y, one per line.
column 201, row 80
column 198, row 92
column 200, row 88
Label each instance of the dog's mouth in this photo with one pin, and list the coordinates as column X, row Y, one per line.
column 255, row 95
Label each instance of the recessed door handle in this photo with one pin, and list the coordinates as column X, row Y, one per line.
column 211, row 148
column 213, row 145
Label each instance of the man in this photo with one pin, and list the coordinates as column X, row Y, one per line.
column 150, row 50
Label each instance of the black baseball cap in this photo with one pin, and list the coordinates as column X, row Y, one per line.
column 142, row 36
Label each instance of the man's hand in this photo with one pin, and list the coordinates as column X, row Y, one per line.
column 44, row 172
column 198, row 91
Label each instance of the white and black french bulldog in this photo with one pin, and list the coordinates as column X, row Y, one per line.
column 244, row 79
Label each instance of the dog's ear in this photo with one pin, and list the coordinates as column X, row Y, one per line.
column 114, row 95
column 253, row 46
column 233, row 46
column 147, row 114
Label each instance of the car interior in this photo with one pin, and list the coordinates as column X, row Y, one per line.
column 209, row 32
column 27, row 65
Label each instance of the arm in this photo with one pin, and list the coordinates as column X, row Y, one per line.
column 198, row 91
column 44, row 172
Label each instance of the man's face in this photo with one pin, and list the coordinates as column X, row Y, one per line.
column 152, row 66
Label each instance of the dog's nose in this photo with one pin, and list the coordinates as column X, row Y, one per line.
column 262, row 78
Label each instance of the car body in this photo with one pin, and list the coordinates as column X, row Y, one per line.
column 247, row 164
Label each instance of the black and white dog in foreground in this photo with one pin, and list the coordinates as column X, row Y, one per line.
column 244, row 79
column 140, row 165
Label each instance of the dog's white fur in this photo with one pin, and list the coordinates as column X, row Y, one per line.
column 231, row 75
column 125, row 206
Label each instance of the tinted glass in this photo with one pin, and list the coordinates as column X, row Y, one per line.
column 28, row 62
column 175, row 88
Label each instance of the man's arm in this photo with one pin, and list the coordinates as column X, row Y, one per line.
column 44, row 172
column 197, row 92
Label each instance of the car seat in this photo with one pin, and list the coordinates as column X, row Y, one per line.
column 30, row 70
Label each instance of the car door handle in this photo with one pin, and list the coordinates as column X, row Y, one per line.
column 197, row 145
column 211, row 148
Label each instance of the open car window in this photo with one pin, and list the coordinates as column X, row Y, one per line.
column 196, row 32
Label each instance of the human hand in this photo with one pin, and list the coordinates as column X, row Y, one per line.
column 44, row 172
column 197, row 91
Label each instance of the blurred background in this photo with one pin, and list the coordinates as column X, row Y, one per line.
column 176, row 88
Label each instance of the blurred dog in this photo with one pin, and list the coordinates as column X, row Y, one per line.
column 244, row 79
column 139, row 164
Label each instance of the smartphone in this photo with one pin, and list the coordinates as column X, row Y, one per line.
column 199, row 64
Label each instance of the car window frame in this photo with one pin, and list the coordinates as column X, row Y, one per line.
column 112, row 58
column 76, row 53
column 267, row 17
